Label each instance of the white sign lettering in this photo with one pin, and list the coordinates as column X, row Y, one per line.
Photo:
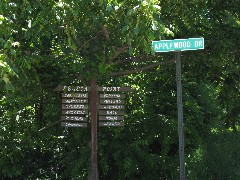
column 74, row 100
column 74, row 106
column 65, row 124
column 74, row 112
column 111, row 88
column 75, row 88
column 113, row 101
column 111, row 123
column 73, row 118
column 111, row 107
column 75, row 95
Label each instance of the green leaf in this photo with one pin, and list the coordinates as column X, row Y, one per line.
column 102, row 68
column 109, row 8
column 136, row 31
column 13, row 52
column 130, row 50
column 151, row 35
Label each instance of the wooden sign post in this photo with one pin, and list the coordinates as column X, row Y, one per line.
column 94, row 161
column 110, row 108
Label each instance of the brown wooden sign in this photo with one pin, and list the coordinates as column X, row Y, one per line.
column 110, row 112
column 111, row 106
column 79, row 101
column 73, row 118
column 114, row 89
column 112, row 101
column 111, row 118
column 72, row 88
column 74, row 106
column 74, row 95
column 75, row 112
column 112, row 96
column 111, row 124
column 70, row 124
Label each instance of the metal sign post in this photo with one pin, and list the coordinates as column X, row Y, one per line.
column 178, row 45
column 180, row 115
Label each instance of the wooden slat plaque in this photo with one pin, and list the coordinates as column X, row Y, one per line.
column 110, row 112
column 111, row 124
column 112, row 101
column 73, row 118
column 111, row 118
column 111, row 106
column 75, row 112
column 75, row 95
column 112, row 96
column 70, row 124
column 77, row 101
column 74, row 106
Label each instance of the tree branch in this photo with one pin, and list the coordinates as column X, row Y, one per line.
column 85, row 43
column 119, row 51
column 132, row 71
column 50, row 125
column 135, row 59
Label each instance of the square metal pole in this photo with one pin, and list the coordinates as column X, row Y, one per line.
column 180, row 115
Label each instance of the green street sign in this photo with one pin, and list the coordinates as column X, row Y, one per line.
column 178, row 44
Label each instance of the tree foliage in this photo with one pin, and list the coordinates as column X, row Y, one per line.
column 67, row 42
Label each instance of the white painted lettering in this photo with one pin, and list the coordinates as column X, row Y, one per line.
column 196, row 44
column 160, row 45
column 184, row 44
column 180, row 44
column 200, row 43
column 175, row 44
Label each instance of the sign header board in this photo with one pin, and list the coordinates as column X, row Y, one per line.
column 114, row 89
column 178, row 44
column 72, row 88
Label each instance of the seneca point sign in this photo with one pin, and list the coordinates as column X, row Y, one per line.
column 178, row 44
